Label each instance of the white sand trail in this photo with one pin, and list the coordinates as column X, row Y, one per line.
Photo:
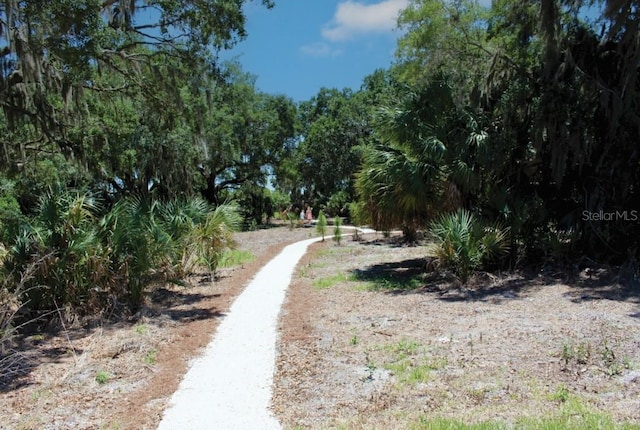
column 229, row 387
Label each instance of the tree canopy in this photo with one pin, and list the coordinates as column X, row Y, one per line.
column 522, row 116
column 541, row 125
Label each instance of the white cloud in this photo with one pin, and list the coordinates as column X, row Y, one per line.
column 319, row 49
column 354, row 18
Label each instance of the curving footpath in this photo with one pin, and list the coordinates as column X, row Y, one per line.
column 229, row 386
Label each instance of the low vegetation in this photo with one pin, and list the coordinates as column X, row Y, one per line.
column 415, row 350
column 77, row 258
column 506, row 132
column 463, row 244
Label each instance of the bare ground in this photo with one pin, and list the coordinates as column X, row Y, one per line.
column 370, row 341
column 367, row 341
column 121, row 375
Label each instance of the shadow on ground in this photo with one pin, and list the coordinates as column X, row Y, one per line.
column 29, row 350
column 412, row 276
column 18, row 361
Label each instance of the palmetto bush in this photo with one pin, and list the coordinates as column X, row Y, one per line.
column 62, row 250
column 179, row 219
column 213, row 235
column 155, row 242
column 141, row 249
column 85, row 261
column 463, row 243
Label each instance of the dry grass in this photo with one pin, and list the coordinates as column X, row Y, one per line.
column 386, row 346
column 121, row 375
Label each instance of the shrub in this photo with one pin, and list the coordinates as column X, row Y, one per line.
column 321, row 226
column 79, row 260
column 61, row 249
column 213, row 236
column 464, row 244
column 142, row 247
column 337, row 230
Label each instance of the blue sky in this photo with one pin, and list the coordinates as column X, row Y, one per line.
column 300, row 46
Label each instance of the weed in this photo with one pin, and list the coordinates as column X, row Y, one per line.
column 452, row 424
column 579, row 353
column 371, row 367
column 404, row 348
column 601, row 355
column 407, row 366
column 322, row 283
column 354, row 340
column 561, row 394
column 303, row 272
column 41, row 394
column 150, row 357
column 141, row 329
column 418, row 374
column 573, row 416
column 391, row 283
column 477, row 395
column 102, row 377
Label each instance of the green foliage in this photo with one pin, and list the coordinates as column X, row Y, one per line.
column 212, row 237
column 143, row 249
column 337, row 230
column 11, row 218
column 150, row 357
column 539, row 154
column 61, row 250
column 235, row 257
column 125, row 106
column 240, row 158
column 426, row 162
column 572, row 416
column 102, row 377
column 390, row 283
column 338, row 204
column 72, row 256
column 443, row 36
column 321, row 225
column 600, row 355
column 561, row 394
column 334, row 125
column 464, row 244
column 323, row 283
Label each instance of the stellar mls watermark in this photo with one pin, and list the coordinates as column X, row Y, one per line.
column 602, row 215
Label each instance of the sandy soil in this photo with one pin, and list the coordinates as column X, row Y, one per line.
column 367, row 340
column 139, row 362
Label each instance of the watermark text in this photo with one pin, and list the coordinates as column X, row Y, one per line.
column 602, row 215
